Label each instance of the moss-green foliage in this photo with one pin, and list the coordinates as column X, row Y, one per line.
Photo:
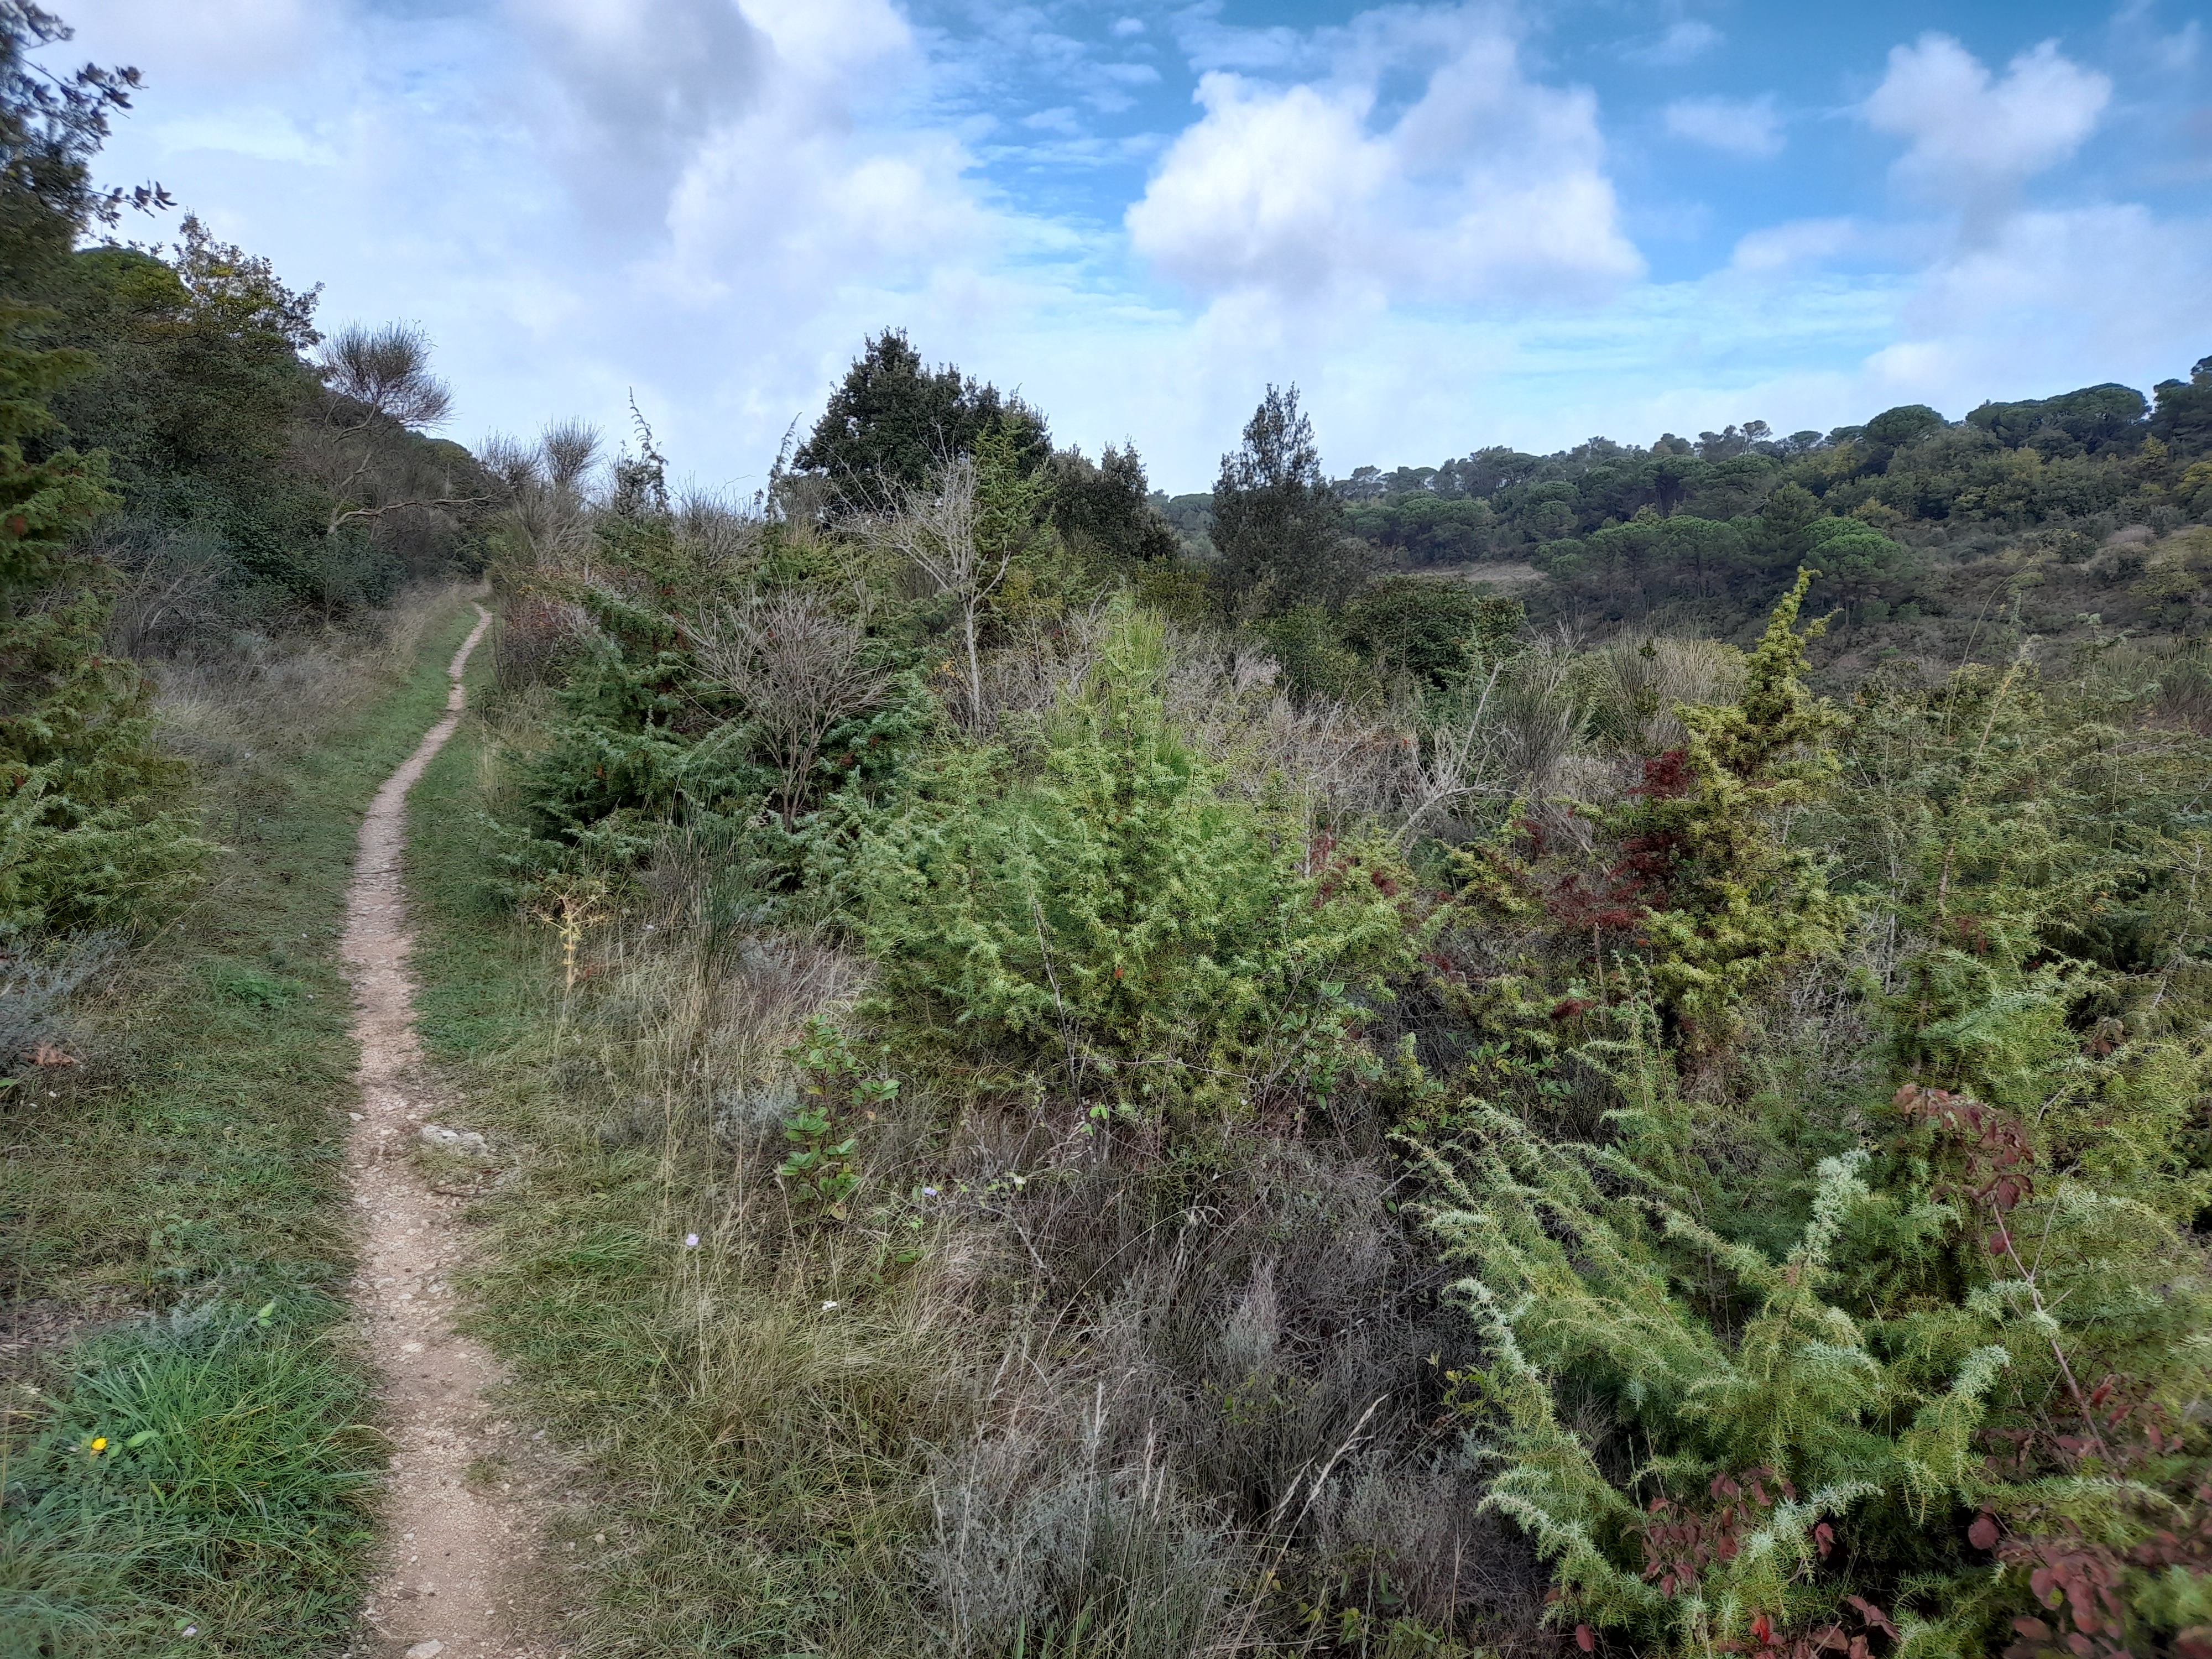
column 87, row 832
column 1690, row 889
column 1308, row 645
column 1112, row 902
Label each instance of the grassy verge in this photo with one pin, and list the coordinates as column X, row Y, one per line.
column 757, row 1407
column 189, row 1167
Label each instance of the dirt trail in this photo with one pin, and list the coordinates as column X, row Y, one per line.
column 455, row 1579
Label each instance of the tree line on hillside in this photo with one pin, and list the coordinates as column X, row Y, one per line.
column 1624, row 529
column 1907, row 519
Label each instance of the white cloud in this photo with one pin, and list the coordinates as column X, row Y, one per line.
column 1489, row 185
column 2032, row 307
column 1742, row 126
column 1971, row 136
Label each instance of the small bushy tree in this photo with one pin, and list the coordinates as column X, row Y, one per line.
column 1726, row 901
column 1280, row 527
column 1117, row 913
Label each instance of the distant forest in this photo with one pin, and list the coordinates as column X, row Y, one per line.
column 2044, row 510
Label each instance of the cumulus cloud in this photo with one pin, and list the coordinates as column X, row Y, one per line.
column 1742, row 126
column 1489, row 185
column 1973, row 136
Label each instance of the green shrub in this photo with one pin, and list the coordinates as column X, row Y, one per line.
column 1114, row 907
column 1967, row 1364
column 87, row 834
column 1725, row 904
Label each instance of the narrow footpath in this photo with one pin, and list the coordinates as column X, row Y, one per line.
column 464, row 1519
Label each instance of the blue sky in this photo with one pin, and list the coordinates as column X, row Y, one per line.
column 1452, row 225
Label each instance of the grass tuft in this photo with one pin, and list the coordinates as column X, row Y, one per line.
column 206, row 1476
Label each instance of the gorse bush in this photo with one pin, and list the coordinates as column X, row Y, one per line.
column 1110, row 904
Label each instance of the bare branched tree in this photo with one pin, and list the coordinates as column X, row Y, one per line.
column 386, row 372
column 801, row 671
column 935, row 530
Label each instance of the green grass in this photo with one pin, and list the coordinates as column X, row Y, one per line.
column 193, row 1166
column 224, row 1512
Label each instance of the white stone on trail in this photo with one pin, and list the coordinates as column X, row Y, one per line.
column 457, row 1140
column 426, row 1650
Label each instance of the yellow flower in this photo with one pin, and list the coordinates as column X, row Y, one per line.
column 99, row 1445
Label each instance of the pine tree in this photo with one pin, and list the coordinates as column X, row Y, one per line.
column 1279, row 526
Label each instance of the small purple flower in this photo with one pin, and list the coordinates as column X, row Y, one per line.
column 929, row 1192
column 691, row 1241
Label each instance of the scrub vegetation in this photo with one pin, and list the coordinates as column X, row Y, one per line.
column 1592, row 1053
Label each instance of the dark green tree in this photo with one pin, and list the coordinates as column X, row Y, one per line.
column 1905, row 423
column 1430, row 630
column 2095, row 416
column 1279, row 528
column 1104, row 510
column 1787, row 516
column 194, row 395
column 894, row 421
column 51, row 126
column 87, row 834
